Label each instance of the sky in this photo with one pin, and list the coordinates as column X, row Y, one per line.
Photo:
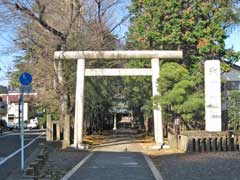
column 6, row 42
column 6, row 58
column 234, row 39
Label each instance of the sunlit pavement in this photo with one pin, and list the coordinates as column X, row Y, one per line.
column 118, row 159
column 115, row 165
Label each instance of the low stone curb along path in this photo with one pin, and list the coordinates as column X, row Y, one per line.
column 119, row 159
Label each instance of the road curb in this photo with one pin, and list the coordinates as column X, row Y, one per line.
column 154, row 170
column 75, row 168
column 33, row 169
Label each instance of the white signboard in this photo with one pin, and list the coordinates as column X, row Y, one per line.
column 213, row 120
column 26, row 89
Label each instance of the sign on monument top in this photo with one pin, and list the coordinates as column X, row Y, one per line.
column 25, row 78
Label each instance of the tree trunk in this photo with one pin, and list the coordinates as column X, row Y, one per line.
column 61, row 91
column 146, row 123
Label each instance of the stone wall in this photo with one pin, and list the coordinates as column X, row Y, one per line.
column 32, row 171
column 202, row 141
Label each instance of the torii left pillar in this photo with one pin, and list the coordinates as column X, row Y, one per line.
column 79, row 105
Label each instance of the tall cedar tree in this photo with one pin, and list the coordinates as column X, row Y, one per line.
column 196, row 27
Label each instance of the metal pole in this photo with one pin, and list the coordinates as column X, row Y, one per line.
column 19, row 113
column 7, row 108
column 22, row 132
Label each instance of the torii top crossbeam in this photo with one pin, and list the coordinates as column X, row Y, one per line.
column 109, row 55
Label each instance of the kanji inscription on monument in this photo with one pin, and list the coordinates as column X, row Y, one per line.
column 213, row 96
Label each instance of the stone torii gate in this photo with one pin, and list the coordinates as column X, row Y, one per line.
column 154, row 71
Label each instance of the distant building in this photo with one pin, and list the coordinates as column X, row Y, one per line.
column 3, row 105
column 12, row 101
column 3, row 90
column 232, row 78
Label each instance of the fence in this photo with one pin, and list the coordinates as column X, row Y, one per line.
column 201, row 141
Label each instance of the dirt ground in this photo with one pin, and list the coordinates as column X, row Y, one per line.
column 60, row 162
column 199, row 166
column 176, row 165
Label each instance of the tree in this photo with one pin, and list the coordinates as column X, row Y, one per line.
column 47, row 26
column 233, row 105
column 199, row 29
column 179, row 95
column 138, row 94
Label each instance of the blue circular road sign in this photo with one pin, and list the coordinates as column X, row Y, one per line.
column 25, row 78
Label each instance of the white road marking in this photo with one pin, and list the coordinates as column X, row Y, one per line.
column 73, row 170
column 16, row 152
column 7, row 134
column 130, row 163
column 154, row 170
column 16, row 134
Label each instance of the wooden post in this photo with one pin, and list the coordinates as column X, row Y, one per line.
column 235, row 143
column 239, row 142
column 197, row 144
column 219, row 143
column 58, row 131
column 214, row 144
column 209, row 141
column 49, row 128
column 203, row 144
column 115, row 122
column 224, row 143
column 66, row 132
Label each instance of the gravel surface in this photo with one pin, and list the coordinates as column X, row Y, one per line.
column 201, row 166
column 60, row 162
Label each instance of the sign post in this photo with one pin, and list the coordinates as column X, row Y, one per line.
column 25, row 80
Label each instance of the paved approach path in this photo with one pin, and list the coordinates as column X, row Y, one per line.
column 118, row 159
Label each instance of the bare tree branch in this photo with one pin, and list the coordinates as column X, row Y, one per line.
column 124, row 19
column 40, row 21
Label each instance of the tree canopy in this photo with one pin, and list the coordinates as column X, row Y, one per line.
column 199, row 29
column 48, row 26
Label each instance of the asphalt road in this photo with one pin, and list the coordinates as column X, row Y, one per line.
column 9, row 144
column 118, row 158
column 115, row 165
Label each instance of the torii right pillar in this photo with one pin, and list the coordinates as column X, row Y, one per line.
column 213, row 112
column 157, row 113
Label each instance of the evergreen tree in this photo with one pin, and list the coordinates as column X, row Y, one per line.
column 199, row 29
column 233, row 104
